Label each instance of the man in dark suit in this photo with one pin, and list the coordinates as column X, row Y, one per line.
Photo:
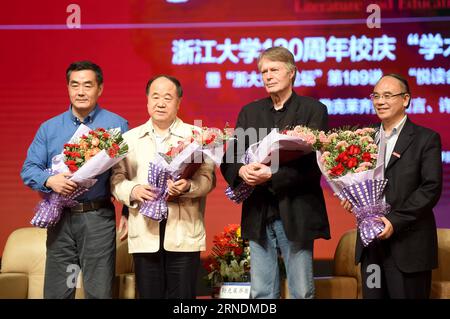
column 286, row 210
column 399, row 264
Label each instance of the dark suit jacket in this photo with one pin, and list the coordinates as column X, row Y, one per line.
column 413, row 189
column 295, row 188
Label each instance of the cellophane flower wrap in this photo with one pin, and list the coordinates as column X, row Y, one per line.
column 88, row 154
column 229, row 260
column 354, row 168
column 288, row 144
column 182, row 161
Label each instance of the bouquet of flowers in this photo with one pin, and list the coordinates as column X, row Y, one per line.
column 230, row 257
column 213, row 141
column 287, row 144
column 93, row 143
column 181, row 162
column 88, row 153
column 350, row 162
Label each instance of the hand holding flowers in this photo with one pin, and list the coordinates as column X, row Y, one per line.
column 354, row 169
column 169, row 172
column 88, row 154
column 279, row 147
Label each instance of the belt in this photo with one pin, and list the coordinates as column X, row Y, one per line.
column 91, row 205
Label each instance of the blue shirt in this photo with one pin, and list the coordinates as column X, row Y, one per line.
column 49, row 141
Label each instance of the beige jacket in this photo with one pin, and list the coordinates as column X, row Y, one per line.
column 185, row 228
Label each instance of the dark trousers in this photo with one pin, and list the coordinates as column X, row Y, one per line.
column 86, row 242
column 166, row 274
column 381, row 278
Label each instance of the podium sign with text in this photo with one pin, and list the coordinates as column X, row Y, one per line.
column 235, row 290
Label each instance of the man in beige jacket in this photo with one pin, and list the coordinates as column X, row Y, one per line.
column 166, row 254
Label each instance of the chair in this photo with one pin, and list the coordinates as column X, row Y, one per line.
column 23, row 265
column 440, row 285
column 346, row 280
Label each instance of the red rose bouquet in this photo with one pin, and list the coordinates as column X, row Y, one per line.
column 89, row 145
column 350, row 162
column 88, row 154
column 181, row 161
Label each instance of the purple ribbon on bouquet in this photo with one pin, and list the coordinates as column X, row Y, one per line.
column 368, row 206
column 243, row 190
column 157, row 209
column 49, row 210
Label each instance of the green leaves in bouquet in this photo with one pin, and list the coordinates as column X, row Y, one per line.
column 348, row 150
column 90, row 144
column 166, row 157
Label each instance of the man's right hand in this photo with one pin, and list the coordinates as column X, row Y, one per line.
column 61, row 184
column 142, row 193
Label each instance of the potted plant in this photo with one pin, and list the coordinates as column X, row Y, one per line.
column 229, row 260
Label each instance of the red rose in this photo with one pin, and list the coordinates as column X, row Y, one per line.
column 73, row 168
column 337, row 170
column 353, row 149
column 105, row 135
column 70, row 162
column 112, row 153
column 342, row 157
column 352, row 162
column 238, row 251
column 366, row 157
column 100, row 129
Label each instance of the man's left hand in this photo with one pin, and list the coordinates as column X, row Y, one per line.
column 179, row 187
column 388, row 229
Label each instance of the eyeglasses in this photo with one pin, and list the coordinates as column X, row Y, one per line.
column 386, row 97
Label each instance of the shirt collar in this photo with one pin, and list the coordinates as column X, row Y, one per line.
column 397, row 129
column 89, row 119
column 150, row 130
column 285, row 105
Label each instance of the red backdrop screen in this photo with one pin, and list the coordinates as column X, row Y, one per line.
column 341, row 49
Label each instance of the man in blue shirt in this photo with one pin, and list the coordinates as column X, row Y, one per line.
column 84, row 238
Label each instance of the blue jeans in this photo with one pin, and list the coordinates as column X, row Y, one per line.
column 264, row 271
